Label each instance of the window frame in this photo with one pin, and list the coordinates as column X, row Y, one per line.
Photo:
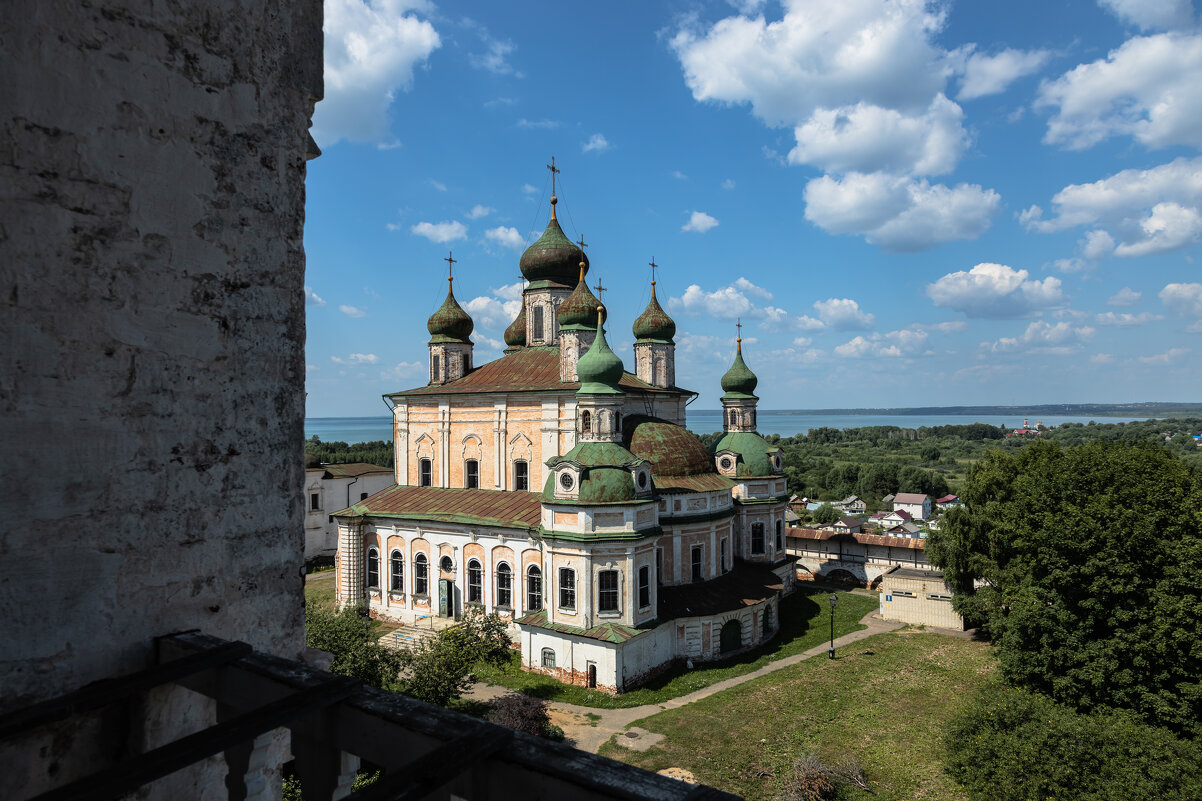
column 548, row 656
column 314, row 501
column 537, row 322
column 780, row 534
column 471, row 474
column 503, row 589
column 697, row 563
column 644, row 587
column 522, row 482
column 609, row 598
column 757, row 537
column 435, row 367
column 425, row 472
column 421, row 575
column 724, row 548
column 566, row 591
column 534, row 588
column 475, row 581
column 373, row 557
column 396, row 571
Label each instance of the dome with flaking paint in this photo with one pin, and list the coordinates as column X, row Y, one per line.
column 654, row 322
column 757, row 456
column 605, row 475
column 739, row 381
column 515, row 334
column 672, row 450
column 600, row 369
column 580, row 309
column 450, row 323
column 553, row 257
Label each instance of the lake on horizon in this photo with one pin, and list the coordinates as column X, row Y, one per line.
column 706, row 421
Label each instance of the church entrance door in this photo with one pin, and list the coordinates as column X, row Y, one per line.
column 446, row 598
column 731, row 636
column 592, row 675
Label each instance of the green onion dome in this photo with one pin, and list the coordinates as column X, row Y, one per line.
column 553, row 257
column 672, row 450
column 580, row 309
column 739, row 381
column 515, row 334
column 654, row 322
column 756, row 456
column 450, row 323
column 600, row 369
column 605, row 476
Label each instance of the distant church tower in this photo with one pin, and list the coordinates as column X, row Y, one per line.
column 654, row 348
column 450, row 338
column 550, row 265
column 599, row 400
column 738, row 398
column 576, row 317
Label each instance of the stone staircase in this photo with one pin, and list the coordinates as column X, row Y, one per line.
column 411, row 635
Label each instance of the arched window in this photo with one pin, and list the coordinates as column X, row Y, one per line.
column 521, row 475
column 471, row 474
column 396, row 577
column 475, row 583
column 421, row 575
column 425, row 472
column 548, row 658
column 731, row 636
column 780, row 534
column 536, row 324
column 757, row 537
column 586, row 422
column 607, row 591
column 373, row 568
column 534, row 588
column 504, row 585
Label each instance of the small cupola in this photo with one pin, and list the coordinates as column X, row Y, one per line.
column 450, row 330
column 654, row 348
column 515, row 334
column 738, row 393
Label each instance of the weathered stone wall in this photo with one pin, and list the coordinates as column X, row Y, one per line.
column 152, row 377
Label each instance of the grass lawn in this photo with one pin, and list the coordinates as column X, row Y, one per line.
column 319, row 588
column 805, row 622
column 885, row 700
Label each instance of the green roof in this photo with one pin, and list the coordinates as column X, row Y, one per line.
column 654, row 323
column 515, row 334
column 600, row 369
column 756, row 453
column 580, row 309
column 553, row 257
column 614, row 633
column 672, row 450
column 450, row 323
column 605, row 475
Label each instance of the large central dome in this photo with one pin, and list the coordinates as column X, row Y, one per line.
column 553, row 258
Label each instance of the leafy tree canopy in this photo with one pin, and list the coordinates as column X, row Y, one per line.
column 344, row 634
column 1089, row 565
column 826, row 514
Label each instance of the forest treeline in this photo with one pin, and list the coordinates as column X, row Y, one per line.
column 828, row 464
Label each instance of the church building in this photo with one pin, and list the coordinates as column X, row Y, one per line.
column 562, row 492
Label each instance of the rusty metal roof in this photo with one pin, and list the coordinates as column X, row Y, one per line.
column 702, row 483
column 505, row 509
column 864, row 539
column 607, row 632
column 746, row 584
column 534, row 369
column 350, row 469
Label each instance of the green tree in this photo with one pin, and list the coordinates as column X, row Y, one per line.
column 825, row 514
column 1014, row 745
column 356, row 653
column 1089, row 564
column 438, row 669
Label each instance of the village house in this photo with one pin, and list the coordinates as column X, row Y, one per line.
column 917, row 505
column 853, row 504
column 918, row 596
column 330, row 487
column 853, row 558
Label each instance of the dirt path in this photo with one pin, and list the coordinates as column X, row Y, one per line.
column 590, row 733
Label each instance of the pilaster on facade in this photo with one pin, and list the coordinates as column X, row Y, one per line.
column 655, row 363
column 351, row 589
column 449, row 361
column 542, row 314
column 738, row 415
column 400, row 442
column 444, row 443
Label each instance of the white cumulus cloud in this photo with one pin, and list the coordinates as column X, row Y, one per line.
column 995, row 291
column 371, row 52
column 990, row 75
column 597, row 143
column 1146, row 89
column 728, row 302
column 1125, row 297
column 357, row 358
column 1183, row 299
column 447, row 231
column 352, row 311
column 312, row 298
column 403, row 370
column 1043, row 337
column 843, row 314
column 1152, row 14
column 1126, row 319
column 479, row 211
column 699, row 222
column 1168, row 357
column 506, row 236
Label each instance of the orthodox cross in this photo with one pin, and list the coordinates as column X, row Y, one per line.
column 600, row 292
column 739, row 325
column 653, row 266
column 554, row 170
column 581, row 243
column 450, row 264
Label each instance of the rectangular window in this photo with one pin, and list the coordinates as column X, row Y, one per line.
column 537, row 324
column 363, row 496
column 696, row 563
column 780, row 535
column 534, row 589
column 724, row 555
column 521, row 476
column 567, row 588
column 659, row 567
column 607, row 591
column 435, row 369
column 757, row 537
column 315, row 501
column 644, row 587
column 425, row 473
column 471, row 474
column 548, row 658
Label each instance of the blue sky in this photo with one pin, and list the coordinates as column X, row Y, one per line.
column 907, row 203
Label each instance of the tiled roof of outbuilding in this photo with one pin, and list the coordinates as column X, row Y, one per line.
column 531, row 369
column 350, row 469
column 607, row 632
column 512, row 509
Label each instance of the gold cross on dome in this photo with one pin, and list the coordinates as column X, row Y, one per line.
column 739, row 325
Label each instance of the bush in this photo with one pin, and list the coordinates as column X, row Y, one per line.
column 522, row 713
column 439, row 669
column 816, row 780
column 344, row 634
column 1014, row 745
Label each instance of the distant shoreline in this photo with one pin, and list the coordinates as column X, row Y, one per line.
column 1158, row 409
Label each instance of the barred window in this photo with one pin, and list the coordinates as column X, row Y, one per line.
column 373, row 568
column 421, row 575
column 567, row 588
column 475, row 583
column 504, row 585
column 607, row 591
column 534, row 588
column 396, row 579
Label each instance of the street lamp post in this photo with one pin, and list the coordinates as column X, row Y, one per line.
column 834, row 600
